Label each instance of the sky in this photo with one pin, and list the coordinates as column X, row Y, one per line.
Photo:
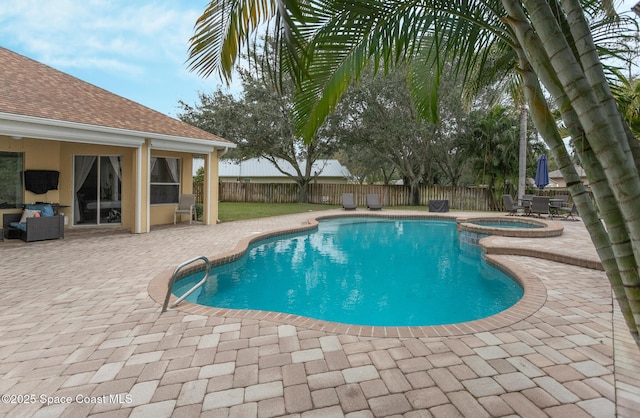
column 136, row 49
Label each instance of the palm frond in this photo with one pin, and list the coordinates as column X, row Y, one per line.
column 228, row 26
column 346, row 36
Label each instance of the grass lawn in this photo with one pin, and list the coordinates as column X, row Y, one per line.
column 235, row 211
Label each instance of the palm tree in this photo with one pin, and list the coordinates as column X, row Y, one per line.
column 326, row 44
column 627, row 94
column 494, row 140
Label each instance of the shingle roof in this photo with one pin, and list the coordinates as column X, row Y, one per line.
column 30, row 88
column 259, row 167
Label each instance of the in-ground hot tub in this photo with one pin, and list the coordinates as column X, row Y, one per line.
column 474, row 229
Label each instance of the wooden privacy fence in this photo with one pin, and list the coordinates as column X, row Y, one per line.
column 198, row 190
column 258, row 192
column 460, row 198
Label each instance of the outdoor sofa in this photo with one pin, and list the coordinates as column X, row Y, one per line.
column 44, row 226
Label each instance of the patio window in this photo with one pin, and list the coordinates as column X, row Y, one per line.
column 165, row 180
column 11, row 166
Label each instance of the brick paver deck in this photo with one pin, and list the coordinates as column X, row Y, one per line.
column 81, row 335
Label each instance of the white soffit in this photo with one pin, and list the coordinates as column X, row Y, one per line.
column 20, row 126
column 196, row 146
column 39, row 128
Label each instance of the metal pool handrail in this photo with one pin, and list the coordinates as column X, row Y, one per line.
column 173, row 279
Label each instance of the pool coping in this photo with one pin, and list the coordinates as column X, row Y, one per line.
column 535, row 293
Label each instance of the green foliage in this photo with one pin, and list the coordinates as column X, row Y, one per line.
column 493, row 149
column 378, row 130
column 627, row 94
column 199, row 177
column 260, row 122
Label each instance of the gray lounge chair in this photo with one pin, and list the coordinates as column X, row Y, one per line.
column 347, row 202
column 540, row 206
column 373, row 203
column 509, row 205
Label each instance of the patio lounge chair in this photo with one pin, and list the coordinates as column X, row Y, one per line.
column 570, row 210
column 540, row 206
column 185, row 206
column 509, row 205
column 373, row 203
column 348, row 202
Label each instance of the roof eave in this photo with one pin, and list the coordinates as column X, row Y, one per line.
column 19, row 126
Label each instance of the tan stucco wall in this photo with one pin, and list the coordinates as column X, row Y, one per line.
column 212, row 189
column 59, row 156
column 38, row 155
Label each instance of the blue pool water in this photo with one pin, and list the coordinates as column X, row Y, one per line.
column 364, row 271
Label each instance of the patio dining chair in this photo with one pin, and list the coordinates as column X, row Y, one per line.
column 556, row 202
column 185, row 206
column 540, row 206
column 509, row 205
column 571, row 211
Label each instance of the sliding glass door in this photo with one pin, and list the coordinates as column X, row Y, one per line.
column 97, row 190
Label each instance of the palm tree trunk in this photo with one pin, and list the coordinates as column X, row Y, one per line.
column 522, row 160
column 614, row 245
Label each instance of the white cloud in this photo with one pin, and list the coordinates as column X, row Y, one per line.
column 108, row 35
column 136, row 49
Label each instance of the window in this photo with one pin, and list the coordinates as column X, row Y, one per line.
column 11, row 166
column 165, row 180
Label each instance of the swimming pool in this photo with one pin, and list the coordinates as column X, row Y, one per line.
column 366, row 271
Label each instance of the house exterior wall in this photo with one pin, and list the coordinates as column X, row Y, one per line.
column 211, row 188
column 559, row 181
column 59, row 156
column 38, row 155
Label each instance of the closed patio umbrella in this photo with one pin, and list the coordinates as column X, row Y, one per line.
column 542, row 172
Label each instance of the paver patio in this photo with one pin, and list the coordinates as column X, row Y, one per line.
column 80, row 335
